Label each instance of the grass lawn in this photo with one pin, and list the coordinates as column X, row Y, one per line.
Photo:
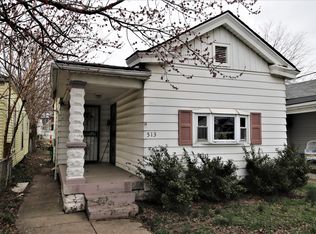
column 248, row 215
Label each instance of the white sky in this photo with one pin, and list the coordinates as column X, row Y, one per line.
column 297, row 15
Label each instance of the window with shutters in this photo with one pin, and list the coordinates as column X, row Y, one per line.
column 221, row 54
column 220, row 129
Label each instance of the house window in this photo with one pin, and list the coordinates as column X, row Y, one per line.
column 202, row 129
column 224, row 128
column 220, row 128
column 243, row 129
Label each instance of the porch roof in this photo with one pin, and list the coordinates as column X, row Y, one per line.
column 98, row 75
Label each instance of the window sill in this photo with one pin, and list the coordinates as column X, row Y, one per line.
column 205, row 144
column 223, row 65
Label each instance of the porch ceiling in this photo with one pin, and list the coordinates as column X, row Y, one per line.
column 102, row 93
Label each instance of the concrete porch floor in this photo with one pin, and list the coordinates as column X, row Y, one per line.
column 100, row 178
column 105, row 172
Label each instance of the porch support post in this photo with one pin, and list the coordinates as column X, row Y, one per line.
column 75, row 144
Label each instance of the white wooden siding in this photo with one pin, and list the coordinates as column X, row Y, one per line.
column 252, row 92
column 130, row 125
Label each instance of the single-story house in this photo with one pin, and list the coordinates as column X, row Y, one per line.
column 301, row 113
column 107, row 117
column 21, row 142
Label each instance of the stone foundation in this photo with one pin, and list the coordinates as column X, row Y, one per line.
column 73, row 203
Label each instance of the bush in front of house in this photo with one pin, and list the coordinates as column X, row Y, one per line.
column 175, row 182
column 165, row 174
column 216, row 180
column 267, row 176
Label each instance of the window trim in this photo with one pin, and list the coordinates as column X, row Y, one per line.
column 195, row 127
column 211, row 129
column 246, row 127
column 227, row 55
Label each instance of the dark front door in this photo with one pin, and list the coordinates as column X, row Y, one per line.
column 91, row 132
column 113, row 133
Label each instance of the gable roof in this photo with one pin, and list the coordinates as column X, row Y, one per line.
column 301, row 92
column 235, row 26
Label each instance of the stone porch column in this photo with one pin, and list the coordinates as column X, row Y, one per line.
column 75, row 144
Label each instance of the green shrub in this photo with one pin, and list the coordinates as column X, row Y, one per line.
column 311, row 195
column 293, row 169
column 165, row 175
column 216, row 180
column 268, row 176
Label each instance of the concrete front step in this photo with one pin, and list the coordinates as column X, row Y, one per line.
column 111, row 199
column 115, row 212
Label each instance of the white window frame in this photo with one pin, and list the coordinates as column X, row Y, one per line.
column 195, row 127
column 227, row 55
column 246, row 127
column 211, row 129
column 235, row 130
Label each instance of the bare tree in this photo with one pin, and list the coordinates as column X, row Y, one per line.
column 28, row 88
column 292, row 45
column 67, row 27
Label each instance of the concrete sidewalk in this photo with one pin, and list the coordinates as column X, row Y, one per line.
column 41, row 212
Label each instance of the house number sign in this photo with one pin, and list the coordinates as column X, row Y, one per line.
column 151, row 134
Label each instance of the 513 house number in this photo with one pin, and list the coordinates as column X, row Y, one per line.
column 151, row 134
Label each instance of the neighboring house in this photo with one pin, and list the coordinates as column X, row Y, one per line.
column 301, row 113
column 21, row 143
column 45, row 127
column 114, row 114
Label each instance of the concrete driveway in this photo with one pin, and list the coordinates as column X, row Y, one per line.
column 41, row 212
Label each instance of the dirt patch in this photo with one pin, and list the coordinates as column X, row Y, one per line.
column 32, row 164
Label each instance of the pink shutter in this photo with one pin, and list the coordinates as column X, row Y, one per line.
column 185, row 127
column 255, row 126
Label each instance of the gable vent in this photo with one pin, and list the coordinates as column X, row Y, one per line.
column 221, row 54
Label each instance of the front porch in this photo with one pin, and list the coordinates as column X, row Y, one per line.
column 86, row 98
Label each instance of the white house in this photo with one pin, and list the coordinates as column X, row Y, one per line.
column 114, row 114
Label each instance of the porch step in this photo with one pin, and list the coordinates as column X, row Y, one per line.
column 111, row 199
column 111, row 205
column 102, row 213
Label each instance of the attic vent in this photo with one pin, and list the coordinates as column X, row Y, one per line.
column 221, row 54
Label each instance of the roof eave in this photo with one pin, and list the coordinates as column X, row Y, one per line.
column 283, row 72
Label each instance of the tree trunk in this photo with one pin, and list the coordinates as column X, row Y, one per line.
column 33, row 138
column 5, row 167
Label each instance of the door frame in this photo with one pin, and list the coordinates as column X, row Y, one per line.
column 113, row 118
column 98, row 135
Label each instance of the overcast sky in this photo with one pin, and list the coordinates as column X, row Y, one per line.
column 298, row 16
